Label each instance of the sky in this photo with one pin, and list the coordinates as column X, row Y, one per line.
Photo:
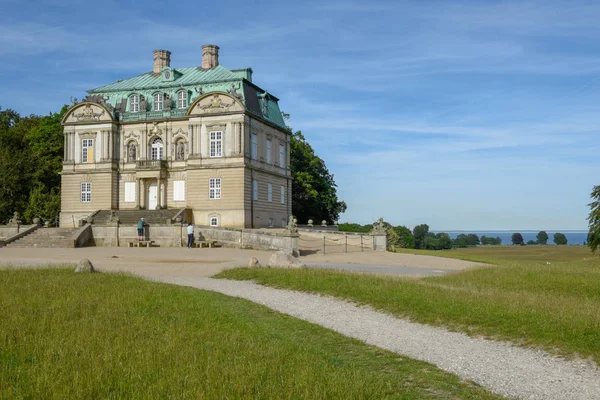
column 465, row 115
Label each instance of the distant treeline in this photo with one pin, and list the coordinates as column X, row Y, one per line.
column 421, row 238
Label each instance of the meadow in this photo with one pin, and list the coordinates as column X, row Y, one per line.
column 66, row 335
column 545, row 297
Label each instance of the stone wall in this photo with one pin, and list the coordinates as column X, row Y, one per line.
column 313, row 239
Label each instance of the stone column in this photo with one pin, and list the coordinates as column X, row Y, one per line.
column 65, row 147
column 191, row 136
column 158, row 193
column 141, row 194
column 162, row 194
column 72, row 146
column 198, row 139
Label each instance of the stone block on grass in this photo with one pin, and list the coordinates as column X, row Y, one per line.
column 84, row 265
column 285, row 260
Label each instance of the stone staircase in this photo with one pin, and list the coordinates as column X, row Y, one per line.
column 46, row 237
column 131, row 217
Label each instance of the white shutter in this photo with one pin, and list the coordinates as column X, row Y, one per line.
column 129, row 192
column 178, row 190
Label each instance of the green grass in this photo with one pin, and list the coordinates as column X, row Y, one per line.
column 555, row 307
column 503, row 254
column 65, row 335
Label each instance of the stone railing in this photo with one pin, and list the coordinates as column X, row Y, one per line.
column 149, row 115
column 151, row 164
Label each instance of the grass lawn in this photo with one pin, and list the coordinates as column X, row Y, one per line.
column 65, row 335
column 555, row 307
column 503, row 254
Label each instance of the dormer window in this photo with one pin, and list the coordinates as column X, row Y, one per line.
column 134, row 103
column 182, row 99
column 158, row 102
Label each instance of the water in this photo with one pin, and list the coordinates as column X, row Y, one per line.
column 573, row 237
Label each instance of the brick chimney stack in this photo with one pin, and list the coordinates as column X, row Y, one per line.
column 162, row 58
column 210, row 56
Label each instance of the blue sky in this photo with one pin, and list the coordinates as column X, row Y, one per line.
column 463, row 115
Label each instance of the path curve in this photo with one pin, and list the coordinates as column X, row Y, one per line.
column 501, row 367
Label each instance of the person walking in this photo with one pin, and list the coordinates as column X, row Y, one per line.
column 140, row 228
column 190, row 231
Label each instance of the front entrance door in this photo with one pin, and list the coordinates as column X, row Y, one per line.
column 152, row 196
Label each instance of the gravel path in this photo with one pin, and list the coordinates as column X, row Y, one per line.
column 500, row 367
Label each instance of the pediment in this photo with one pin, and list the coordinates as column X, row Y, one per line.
column 87, row 113
column 215, row 103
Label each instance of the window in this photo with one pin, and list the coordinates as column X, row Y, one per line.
column 87, row 150
column 182, row 99
column 268, row 151
column 214, row 188
column 156, row 152
column 254, row 149
column 129, row 192
column 283, row 224
column 282, row 156
column 270, row 192
column 134, row 103
column 216, row 144
column 282, row 195
column 178, row 190
column 86, row 192
column 271, row 222
column 158, row 102
column 214, row 221
column 254, row 190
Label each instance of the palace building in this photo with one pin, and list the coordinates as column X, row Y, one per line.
column 205, row 140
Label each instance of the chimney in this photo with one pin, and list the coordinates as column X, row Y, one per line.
column 210, row 56
column 162, row 58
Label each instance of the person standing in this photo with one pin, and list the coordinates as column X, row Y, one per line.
column 140, row 228
column 190, row 231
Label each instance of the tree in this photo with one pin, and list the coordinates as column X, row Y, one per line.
column 314, row 194
column 593, row 238
column 473, row 239
column 517, row 238
column 352, row 227
column 461, row 241
column 419, row 233
column 444, row 240
column 531, row 242
column 405, row 237
column 542, row 237
column 560, row 238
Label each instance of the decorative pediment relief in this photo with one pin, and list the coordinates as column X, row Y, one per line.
column 87, row 113
column 215, row 103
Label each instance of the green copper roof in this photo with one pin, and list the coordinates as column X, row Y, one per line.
column 183, row 77
column 196, row 81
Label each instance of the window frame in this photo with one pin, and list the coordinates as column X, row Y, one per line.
column 84, row 146
column 215, row 144
column 210, row 221
column 282, row 156
column 127, row 199
column 269, row 147
column 86, row 192
column 182, row 190
column 214, row 188
column 159, row 102
column 159, row 154
column 134, row 100
column 270, row 192
column 182, row 99
column 282, row 193
column 254, row 146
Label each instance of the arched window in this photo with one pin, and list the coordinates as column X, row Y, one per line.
column 156, row 152
column 182, row 99
column 158, row 102
column 134, row 103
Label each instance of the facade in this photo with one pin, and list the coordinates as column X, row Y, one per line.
column 203, row 138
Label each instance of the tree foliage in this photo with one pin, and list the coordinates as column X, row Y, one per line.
column 352, row 227
column 405, row 237
column 542, row 237
column 560, row 238
column 314, row 194
column 517, row 238
column 419, row 234
column 31, row 153
column 593, row 238
column 490, row 240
